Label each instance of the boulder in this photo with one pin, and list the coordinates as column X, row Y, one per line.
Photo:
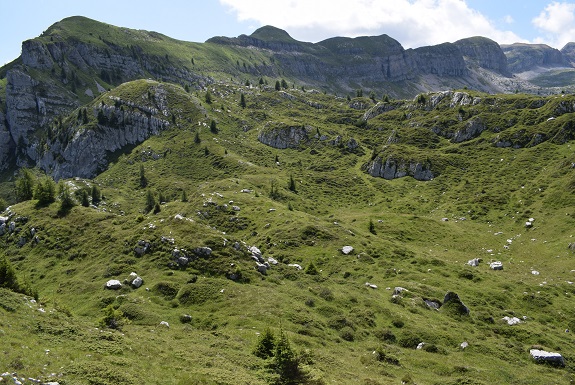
column 298, row 267
column 512, row 320
column 262, row 268
column 371, row 285
column 497, row 265
column 164, row 323
column 346, row 249
column 542, row 356
column 398, row 290
column 136, row 283
column 113, row 284
column 433, row 304
column 474, row 262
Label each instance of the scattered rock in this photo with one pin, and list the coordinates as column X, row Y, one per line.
column 474, row 262
column 463, row 345
column 528, row 224
column 164, row 323
column 542, row 356
column 371, row 285
column 346, row 249
column 298, row 267
column 113, row 284
column 497, row 265
column 236, row 208
column 445, row 219
column 512, row 320
column 137, row 282
column 272, row 261
column 262, row 268
column 202, row 252
column 398, row 290
column 420, row 345
column 186, row 318
column 432, row 303
column 534, row 272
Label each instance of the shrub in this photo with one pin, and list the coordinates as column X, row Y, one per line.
column 347, row 333
column 382, row 356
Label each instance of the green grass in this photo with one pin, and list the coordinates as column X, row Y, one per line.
column 332, row 319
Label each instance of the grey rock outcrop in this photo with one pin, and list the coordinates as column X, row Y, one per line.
column 113, row 284
column 7, row 145
column 552, row 358
column 283, row 136
column 392, row 168
column 569, row 53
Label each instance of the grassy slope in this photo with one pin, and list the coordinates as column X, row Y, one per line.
column 333, row 318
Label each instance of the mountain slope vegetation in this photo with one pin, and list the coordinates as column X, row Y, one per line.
column 265, row 232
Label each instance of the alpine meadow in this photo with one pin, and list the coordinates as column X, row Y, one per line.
column 260, row 210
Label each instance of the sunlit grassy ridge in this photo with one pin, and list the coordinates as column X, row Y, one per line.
column 347, row 332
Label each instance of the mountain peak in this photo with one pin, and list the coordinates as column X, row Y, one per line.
column 271, row 33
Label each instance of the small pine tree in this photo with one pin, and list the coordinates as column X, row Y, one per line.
column 3, row 204
column 261, row 82
column 7, row 274
column 265, row 346
column 45, row 191
column 84, row 200
column 96, row 195
column 208, row 97
column 184, row 197
column 286, row 363
column 284, row 84
column 278, row 85
column 291, row 185
column 372, row 227
column 213, row 127
column 311, row 269
column 197, row 139
column 143, row 179
column 66, row 200
column 242, row 101
column 150, row 201
column 25, row 185
column 359, row 93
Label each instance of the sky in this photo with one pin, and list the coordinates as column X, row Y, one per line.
column 414, row 23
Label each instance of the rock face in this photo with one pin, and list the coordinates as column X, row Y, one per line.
column 283, row 136
column 484, row 53
column 569, row 53
column 83, row 151
column 392, row 168
column 524, row 57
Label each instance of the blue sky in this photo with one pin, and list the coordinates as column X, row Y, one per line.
column 412, row 22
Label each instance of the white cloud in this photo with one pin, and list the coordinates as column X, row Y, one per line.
column 557, row 22
column 413, row 23
column 509, row 19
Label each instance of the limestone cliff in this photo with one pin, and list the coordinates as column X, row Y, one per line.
column 81, row 147
column 524, row 57
column 484, row 53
